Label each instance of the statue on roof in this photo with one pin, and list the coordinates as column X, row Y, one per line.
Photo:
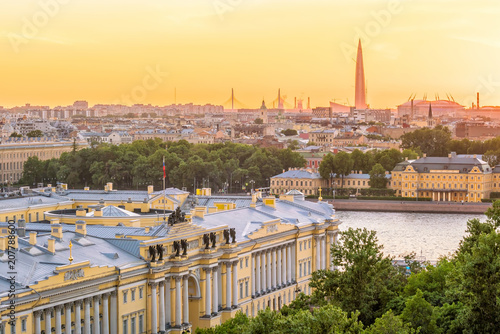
column 206, row 240
column 159, row 251
column 226, row 236
column 213, row 238
column 184, row 245
column 232, row 231
column 152, row 253
column 177, row 248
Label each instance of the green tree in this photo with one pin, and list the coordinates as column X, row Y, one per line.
column 236, row 325
column 15, row 135
column 342, row 164
column 293, row 144
column 419, row 313
column 289, row 132
column 366, row 280
column 35, row 133
column 33, row 171
column 377, row 177
column 389, row 323
column 327, row 167
column 258, row 121
column 433, row 142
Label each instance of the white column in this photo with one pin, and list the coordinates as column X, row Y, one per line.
column 96, row 316
column 161, row 308
column 228, row 285
column 273, row 269
column 294, row 263
column 113, row 321
column 215, row 282
column 208, row 292
column 263, row 272
column 67, row 318
column 323, row 252
column 288, row 264
column 269, row 265
column 58, row 319
column 178, row 302
column 235, row 284
column 78, row 317
column 219, row 284
column 168, row 306
column 283, row 266
column 257, row 274
column 332, row 241
column 48, row 320
column 318, row 254
column 86, row 318
column 154, row 309
column 280, row 268
column 252, row 275
column 105, row 314
column 185, row 302
column 38, row 325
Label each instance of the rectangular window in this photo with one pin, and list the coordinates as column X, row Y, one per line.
column 125, row 297
column 246, row 289
column 132, row 294
column 246, row 262
column 132, row 325
column 241, row 290
column 140, row 293
column 300, row 270
column 125, row 326
column 23, row 325
column 141, row 323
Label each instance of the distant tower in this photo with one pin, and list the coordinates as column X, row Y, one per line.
column 280, row 102
column 430, row 121
column 263, row 112
column 360, row 93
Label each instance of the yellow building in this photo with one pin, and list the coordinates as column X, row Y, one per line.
column 307, row 181
column 14, row 152
column 225, row 258
column 454, row 178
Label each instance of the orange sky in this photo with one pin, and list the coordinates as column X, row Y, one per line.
column 104, row 51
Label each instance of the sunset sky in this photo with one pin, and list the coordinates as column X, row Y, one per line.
column 104, row 51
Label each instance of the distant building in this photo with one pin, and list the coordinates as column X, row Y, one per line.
column 454, row 178
column 421, row 108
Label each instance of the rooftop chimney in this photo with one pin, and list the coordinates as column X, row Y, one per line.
column 21, row 228
column 56, row 231
column 81, row 228
column 33, row 238
column 51, row 245
column 150, row 189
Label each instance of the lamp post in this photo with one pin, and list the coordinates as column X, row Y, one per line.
column 252, row 182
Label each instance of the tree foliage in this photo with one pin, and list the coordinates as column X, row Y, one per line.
column 136, row 165
column 377, row 177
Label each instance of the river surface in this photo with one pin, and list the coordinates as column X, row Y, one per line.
column 427, row 234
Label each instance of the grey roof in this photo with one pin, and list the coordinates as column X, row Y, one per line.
column 247, row 220
column 462, row 164
column 23, row 202
column 209, row 201
column 32, row 267
column 298, row 174
column 113, row 211
column 115, row 195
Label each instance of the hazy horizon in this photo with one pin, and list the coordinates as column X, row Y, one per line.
column 58, row 51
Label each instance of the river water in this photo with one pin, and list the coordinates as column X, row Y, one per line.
column 428, row 234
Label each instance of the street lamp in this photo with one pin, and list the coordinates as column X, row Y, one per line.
column 252, row 182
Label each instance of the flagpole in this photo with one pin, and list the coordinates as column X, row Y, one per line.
column 164, row 195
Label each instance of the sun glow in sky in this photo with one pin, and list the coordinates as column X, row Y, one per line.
column 54, row 52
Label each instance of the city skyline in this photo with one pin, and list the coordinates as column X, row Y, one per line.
column 57, row 52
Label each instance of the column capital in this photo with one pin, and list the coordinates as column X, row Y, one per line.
column 58, row 308
column 228, row 264
column 235, row 263
column 97, row 298
column 153, row 284
column 49, row 310
column 106, row 295
column 37, row 314
column 178, row 278
column 114, row 293
column 78, row 302
column 208, row 269
column 87, row 300
column 185, row 277
column 167, row 278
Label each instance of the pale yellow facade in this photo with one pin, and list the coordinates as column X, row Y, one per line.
column 267, row 267
column 14, row 154
column 468, row 184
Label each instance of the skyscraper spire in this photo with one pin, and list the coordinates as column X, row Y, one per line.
column 430, row 111
column 360, row 93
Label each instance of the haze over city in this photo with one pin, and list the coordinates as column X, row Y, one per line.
column 56, row 52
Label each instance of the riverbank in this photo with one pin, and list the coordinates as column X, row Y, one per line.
column 406, row 206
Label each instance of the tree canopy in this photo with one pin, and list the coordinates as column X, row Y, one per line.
column 226, row 166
